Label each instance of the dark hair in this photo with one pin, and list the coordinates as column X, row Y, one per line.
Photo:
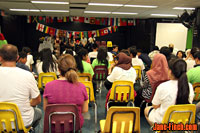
column 47, row 59
column 67, row 67
column 179, row 52
column 102, row 55
column 79, row 57
column 133, row 51
column 26, row 50
column 194, row 50
column 155, row 48
column 166, row 51
column 179, row 68
column 69, row 51
column 94, row 46
column 114, row 46
column 9, row 52
column 22, row 55
column 125, row 51
column 197, row 55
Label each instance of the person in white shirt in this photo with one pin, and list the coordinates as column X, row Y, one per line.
column 154, row 52
column 173, row 92
column 83, row 41
column 136, row 61
column 190, row 58
column 30, row 60
column 19, row 86
column 47, row 63
column 93, row 55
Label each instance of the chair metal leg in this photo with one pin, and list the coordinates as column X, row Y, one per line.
column 142, row 103
column 95, row 116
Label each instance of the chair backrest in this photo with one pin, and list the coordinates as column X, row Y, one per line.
column 84, row 77
column 138, row 71
column 122, row 120
column 10, row 118
column 98, row 43
column 61, row 118
column 100, row 72
column 196, row 87
column 44, row 78
column 122, row 91
column 184, row 113
column 90, row 90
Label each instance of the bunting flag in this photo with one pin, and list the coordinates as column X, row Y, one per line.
column 92, row 20
column 111, row 21
column 78, row 34
column 28, row 19
column 59, row 19
column 86, row 20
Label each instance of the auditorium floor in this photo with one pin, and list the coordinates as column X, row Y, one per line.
column 89, row 124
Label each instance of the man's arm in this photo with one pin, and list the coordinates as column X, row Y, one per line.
column 35, row 101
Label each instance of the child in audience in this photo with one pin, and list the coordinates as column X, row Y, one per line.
column 30, row 60
column 22, row 61
column 47, row 63
column 67, row 89
column 173, row 92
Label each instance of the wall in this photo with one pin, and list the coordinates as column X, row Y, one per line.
column 18, row 32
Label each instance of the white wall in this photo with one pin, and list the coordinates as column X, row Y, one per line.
column 174, row 33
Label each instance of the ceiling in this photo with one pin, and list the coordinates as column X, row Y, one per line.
column 164, row 7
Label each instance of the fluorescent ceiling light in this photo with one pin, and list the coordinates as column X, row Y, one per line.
column 25, row 10
column 104, row 4
column 142, row 6
column 184, row 8
column 97, row 12
column 164, row 15
column 54, row 11
column 128, row 13
column 48, row 2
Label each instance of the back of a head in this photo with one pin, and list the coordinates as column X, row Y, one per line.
column 133, row 51
column 155, row 48
column 102, row 55
column 9, row 52
column 26, row 50
column 194, row 50
column 47, row 59
column 178, row 68
column 69, row 51
column 67, row 67
column 197, row 55
column 166, row 51
column 94, row 46
column 22, row 55
column 125, row 51
column 79, row 57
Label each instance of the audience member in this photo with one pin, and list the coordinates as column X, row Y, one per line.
column 190, row 58
column 22, row 61
column 152, row 78
column 180, row 54
column 93, row 55
column 83, row 41
column 67, row 89
column 194, row 73
column 145, row 58
column 114, row 50
column 136, row 61
column 172, row 49
column 19, row 86
column 101, row 58
column 30, row 60
column 167, row 52
column 69, row 51
column 47, row 64
column 125, row 51
column 173, row 92
column 153, row 52
column 3, row 41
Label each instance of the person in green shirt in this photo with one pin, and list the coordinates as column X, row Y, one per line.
column 194, row 73
column 2, row 40
column 101, row 58
column 82, row 65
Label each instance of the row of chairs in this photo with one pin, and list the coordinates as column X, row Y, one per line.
column 65, row 118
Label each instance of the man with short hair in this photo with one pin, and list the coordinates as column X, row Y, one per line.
column 19, row 86
column 136, row 61
column 22, row 61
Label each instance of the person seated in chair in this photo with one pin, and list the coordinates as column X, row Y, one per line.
column 22, row 61
column 19, row 86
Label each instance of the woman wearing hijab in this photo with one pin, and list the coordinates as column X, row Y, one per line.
column 155, row 76
column 123, row 70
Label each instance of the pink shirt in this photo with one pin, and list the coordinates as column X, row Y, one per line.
column 62, row 91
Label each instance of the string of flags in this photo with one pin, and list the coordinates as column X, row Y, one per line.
column 78, row 34
column 89, row 20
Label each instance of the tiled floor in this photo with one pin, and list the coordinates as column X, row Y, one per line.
column 89, row 123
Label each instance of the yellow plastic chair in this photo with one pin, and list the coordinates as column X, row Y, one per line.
column 121, row 91
column 184, row 113
column 84, row 77
column 90, row 92
column 10, row 118
column 121, row 120
column 138, row 71
column 196, row 87
column 44, row 78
